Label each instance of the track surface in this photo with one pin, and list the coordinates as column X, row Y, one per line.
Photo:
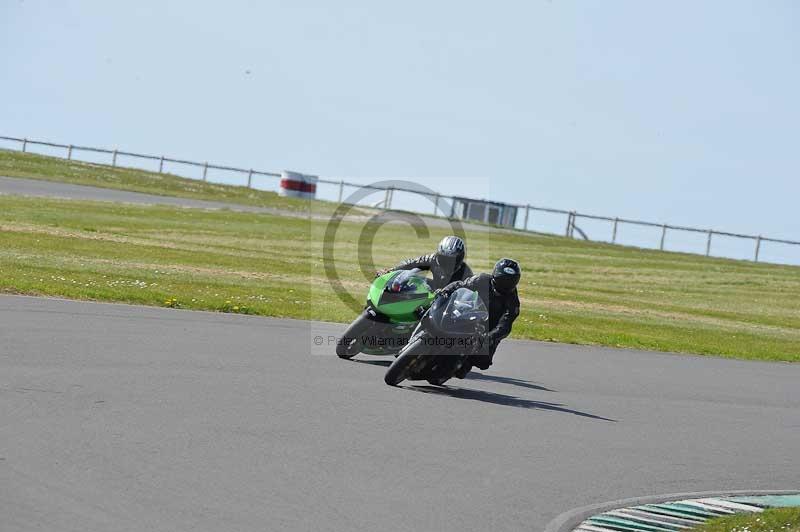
column 40, row 188
column 53, row 189
column 115, row 417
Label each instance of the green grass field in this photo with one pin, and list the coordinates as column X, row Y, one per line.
column 272, row 265
column 774, row 520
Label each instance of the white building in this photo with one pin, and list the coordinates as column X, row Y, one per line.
column 490, row 212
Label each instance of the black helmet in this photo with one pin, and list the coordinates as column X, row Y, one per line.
column 450, row 253
column 505, row 275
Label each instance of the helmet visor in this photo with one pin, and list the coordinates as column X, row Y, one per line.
column 505, row 283
column 447, row 263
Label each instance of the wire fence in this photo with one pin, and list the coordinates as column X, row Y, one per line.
column 572, row 229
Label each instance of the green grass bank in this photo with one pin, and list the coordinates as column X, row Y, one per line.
column 34, row 166
column 272, row 265
column 773, row 520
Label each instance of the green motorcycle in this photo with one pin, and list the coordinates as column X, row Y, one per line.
column 394, row 305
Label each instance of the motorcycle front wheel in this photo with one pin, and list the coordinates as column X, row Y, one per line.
column 398, row 371
column 349, row 345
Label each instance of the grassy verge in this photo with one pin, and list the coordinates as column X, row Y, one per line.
column 33, row 166
column 272, row 265
column 774, row 520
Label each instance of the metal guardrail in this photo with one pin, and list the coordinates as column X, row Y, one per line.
column 572, row 216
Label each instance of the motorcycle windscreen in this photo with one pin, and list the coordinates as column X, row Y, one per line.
column 462, row 313
column 404, row 287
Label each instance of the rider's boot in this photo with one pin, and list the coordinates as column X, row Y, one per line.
column 481, row 361
column 464, row 369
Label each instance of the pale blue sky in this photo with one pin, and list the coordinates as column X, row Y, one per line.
column 685, row 112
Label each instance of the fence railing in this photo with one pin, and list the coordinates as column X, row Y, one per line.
column 572, row 217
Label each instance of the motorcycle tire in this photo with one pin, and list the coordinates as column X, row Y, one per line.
column 398, row 371
column 348, row 350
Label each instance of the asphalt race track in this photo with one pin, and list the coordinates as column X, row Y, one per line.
column 115, row 417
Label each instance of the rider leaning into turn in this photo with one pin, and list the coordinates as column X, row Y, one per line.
column 498, row 291
column 446, row 263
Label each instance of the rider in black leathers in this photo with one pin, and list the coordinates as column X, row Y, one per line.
column 446, row 263
column 498, row 291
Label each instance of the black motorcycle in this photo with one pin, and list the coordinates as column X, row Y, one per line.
column 447, row 334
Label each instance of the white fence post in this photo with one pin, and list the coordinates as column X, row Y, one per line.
column 69, row 152
column 114, row 159
column 161, row 165
column 386, row 199
column 341, row 190
column 250, row 178
column 205, row 171
column 527, row 215
column 758, row 247
column 24, row 145
column 436, row 204
column 708, row 243
column 663, row 236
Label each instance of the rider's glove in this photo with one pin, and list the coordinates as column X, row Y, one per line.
column 484, row 343
column 478, row 343
column 440, row 292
